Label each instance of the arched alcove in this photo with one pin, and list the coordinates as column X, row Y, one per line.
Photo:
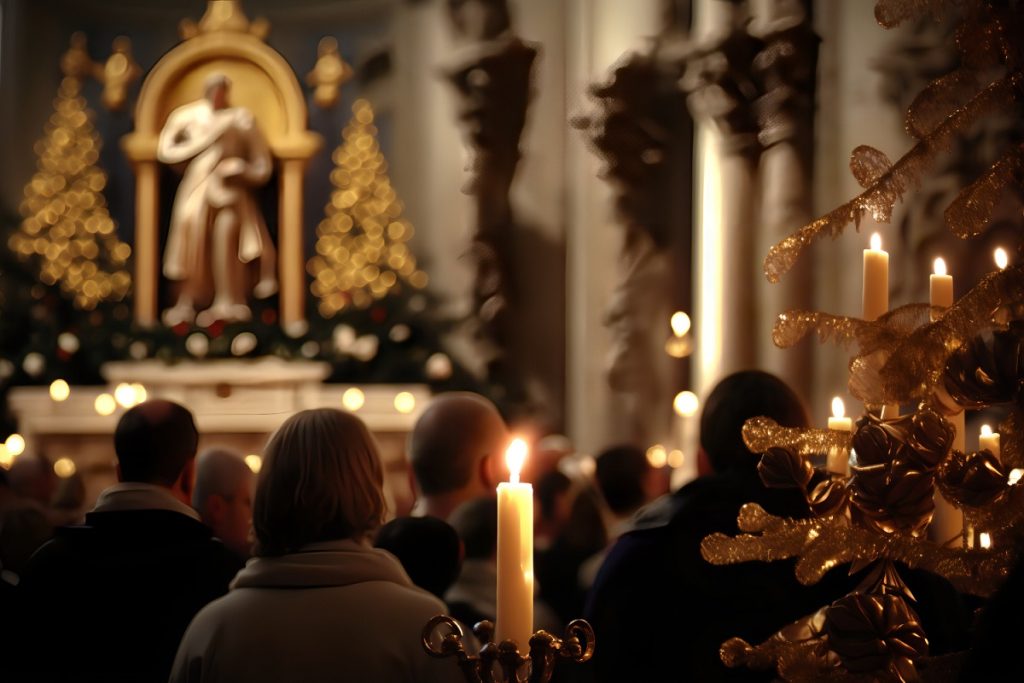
column 262, row 81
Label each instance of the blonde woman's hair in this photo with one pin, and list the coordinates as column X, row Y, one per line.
column 321, row 480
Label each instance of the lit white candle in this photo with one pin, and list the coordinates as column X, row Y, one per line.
column 988, row 440
column 940, row 287
column 839, row 458
column 515, row 553
column 875, row 290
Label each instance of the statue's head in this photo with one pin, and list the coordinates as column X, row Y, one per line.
column 215, row 90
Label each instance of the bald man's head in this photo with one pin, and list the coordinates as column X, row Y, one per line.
column 154, row 442
column 452, row 439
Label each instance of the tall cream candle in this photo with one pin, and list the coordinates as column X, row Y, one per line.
column 515, row 553
column 839, row 458
column 875, row 290
column 940, row 287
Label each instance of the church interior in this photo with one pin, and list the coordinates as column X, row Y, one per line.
column 590, row 216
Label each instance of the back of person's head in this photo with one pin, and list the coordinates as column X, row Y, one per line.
column 32, row 478
column 154, row 442
column 476, row 523
column 321, row 480
column 428, row 549
column 621, row 475
column 452, row 440
column 737, row 398
column 552, row 487
column 219, row 472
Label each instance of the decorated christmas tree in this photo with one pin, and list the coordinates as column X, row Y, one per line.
column 67, row 230
column 361, row 252
column 935, row 359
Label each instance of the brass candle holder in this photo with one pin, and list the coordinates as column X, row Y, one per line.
column 504, row 658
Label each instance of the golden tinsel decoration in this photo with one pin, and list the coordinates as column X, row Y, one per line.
column 67, row 228
column 970, row 355
column 361, row 252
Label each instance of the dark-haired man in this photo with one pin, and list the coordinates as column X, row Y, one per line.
column 115, row 595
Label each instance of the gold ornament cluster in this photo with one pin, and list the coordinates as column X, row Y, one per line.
column 970, row 355
column 361, row 252
column 67, row 228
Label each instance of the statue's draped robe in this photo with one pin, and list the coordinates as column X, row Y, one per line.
column 226, row 155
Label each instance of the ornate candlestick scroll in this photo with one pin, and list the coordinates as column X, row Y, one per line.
column 442, row 637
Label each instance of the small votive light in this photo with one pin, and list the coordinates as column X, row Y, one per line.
column 60, row 390
column 254, row 463
column 675, row 459
column 6, row 459
column 1015, row 475
column 984, row 540
column 105, row 404
column 15, row 444
column 685, row 403
column 140, row 392
column 353, row 399
column 124, row 394
column 657, row 456
column 515, row 456
column 64, row 468
column 1002, row 259
column 405, row 402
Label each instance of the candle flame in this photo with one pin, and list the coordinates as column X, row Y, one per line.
column 985, row 540
column 838, row 407
column 986, row 430
column 680, row 323
column 876, row 241
column 1001, row 257
column 515, row 456
column 939, row 267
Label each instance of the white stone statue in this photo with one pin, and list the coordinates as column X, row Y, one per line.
column 216, row 225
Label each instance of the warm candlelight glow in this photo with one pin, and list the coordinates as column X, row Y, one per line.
column 1001, row 257
column 405, row 402
column 675, row 459
column 1015, row 475
column 876, row 241
column 986, row 430
column 939, row 266
column 515, row 456
column 353, row 399
column 59, row 390
column 984, row 540
column 64, row 468
column 680, row 323
column 140, row 393
column 838, row 407
column 685, row 403
column 657, row 457
column 15, row 444
column 124, row 394
column 254, row 462
column 105, row 404
column 6, row 459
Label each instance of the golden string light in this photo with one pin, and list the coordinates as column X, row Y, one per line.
column 361, row 253
column 66, row 225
